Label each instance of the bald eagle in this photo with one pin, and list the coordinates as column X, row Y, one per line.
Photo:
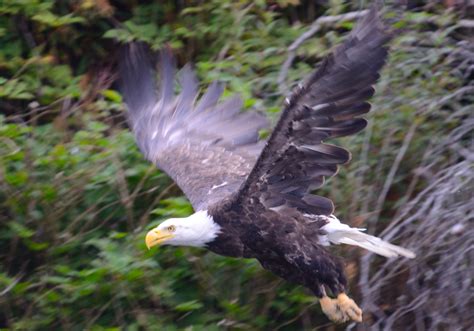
column 252, row 198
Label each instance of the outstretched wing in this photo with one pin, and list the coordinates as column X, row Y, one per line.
column 296, row 158
column 207, row 147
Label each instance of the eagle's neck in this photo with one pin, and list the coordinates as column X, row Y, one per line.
column 202, row 229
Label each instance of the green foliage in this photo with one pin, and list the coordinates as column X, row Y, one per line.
column 76, row 196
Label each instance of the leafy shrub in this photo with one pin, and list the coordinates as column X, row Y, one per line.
column 77, row 197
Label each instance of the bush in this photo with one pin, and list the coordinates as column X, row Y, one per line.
column 77, row 197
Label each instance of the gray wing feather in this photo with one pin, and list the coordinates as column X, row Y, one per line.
column 296, row 159
column 207, row 147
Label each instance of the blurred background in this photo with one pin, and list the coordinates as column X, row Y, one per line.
column 77, row 197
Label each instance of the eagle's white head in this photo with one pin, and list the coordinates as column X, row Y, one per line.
column 196, row 230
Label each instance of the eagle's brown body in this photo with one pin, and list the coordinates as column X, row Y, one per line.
column 284, row 243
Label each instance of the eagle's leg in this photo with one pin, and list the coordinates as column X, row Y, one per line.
column 341, row 309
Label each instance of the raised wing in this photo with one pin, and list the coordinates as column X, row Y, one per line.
column 208, row 148
column 296, row 159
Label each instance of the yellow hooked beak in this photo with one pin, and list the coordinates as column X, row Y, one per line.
column 155, row 237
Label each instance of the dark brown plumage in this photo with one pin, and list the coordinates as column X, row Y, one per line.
column 257, row 194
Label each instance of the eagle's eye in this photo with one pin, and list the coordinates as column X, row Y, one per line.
column 171, row 228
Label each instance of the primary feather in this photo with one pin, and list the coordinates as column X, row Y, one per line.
column 200, row 144
column 296, row 158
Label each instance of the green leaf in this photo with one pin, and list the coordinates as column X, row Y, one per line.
column 112, row 95
column 16, row 178
column 50, row 19
column 20, row 230
column 189, row 305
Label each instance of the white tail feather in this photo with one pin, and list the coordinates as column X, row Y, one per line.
column 339, row 233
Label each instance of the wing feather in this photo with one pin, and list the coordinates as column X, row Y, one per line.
column 207, row 147
column 296, row 158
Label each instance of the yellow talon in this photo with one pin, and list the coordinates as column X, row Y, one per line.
column 341, row 309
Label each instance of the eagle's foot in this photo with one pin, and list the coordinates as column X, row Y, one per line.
column 341, row 309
